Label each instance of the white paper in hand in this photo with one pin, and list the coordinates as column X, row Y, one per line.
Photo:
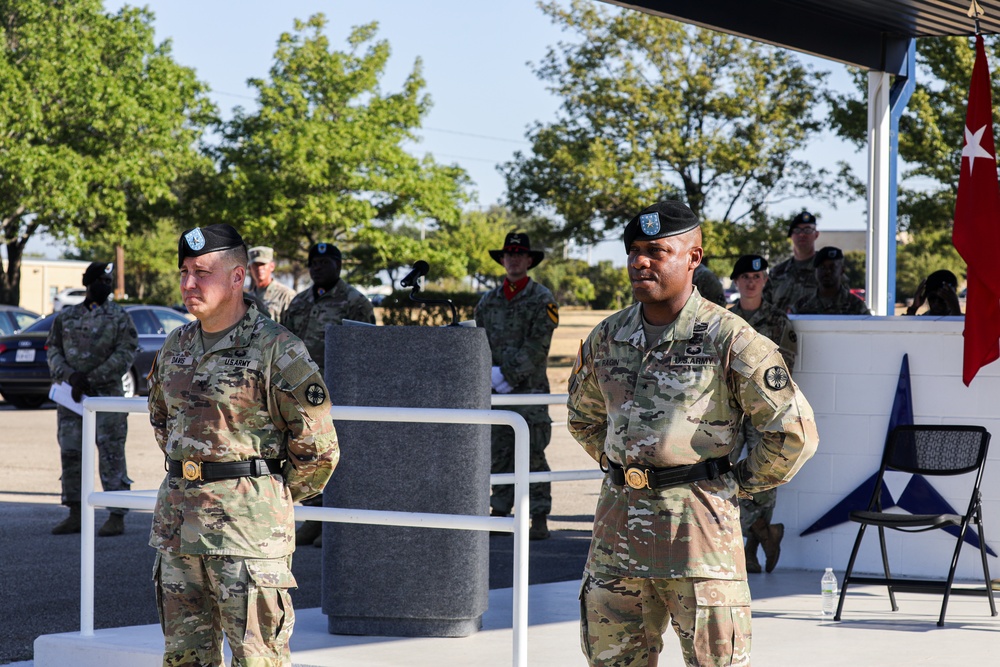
column 62, row 393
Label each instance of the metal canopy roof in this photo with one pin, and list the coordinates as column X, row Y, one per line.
column 872, row 34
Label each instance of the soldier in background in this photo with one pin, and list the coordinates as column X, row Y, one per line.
column 329, row 301
column 940, row 291
column 750, row 276
column 243, row 417
column 519, row 317
column 831, row 295
column 275, row 296
column 91, row 346
column 795, row 277
column 657, row 396
column 709, row 285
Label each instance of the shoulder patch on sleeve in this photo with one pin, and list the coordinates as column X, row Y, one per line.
column 298, row 371
column 749, row 351
column 553, row 311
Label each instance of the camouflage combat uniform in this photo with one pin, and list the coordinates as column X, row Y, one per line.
column 101, row 342
column 520, row 333
column 844, row 303
column 676, row 554
column 774, row 324
column 789, row 281
column 276, row 298
column 255, row 394
column 310, row 313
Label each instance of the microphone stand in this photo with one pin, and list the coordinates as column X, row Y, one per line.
column 454, row 311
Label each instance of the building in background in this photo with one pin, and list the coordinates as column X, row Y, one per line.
column 42, row 279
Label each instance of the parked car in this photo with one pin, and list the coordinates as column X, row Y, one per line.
column 15, row 318
column 68, row 297
column 24, row 369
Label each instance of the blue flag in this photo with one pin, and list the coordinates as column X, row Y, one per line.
column 918, row 496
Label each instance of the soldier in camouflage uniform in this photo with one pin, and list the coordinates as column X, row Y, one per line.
column 243, row 417
column 519, row 317
column 657, row 396
column 329, row 301
column 795, row 278
column 91, row 346
column 750, row 276
column 831, row 296
column 276, row 297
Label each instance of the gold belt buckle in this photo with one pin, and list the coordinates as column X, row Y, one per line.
column 637, row 478
column 192, row 470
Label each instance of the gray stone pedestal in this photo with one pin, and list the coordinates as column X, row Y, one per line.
column 397, row 581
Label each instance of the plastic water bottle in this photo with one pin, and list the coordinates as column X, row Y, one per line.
column 828, row 587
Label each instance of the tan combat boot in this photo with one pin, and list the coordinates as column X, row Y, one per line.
column 70, row 524
column 539, row 527
column 769, row 536
column 753, row 565
column 115, row 525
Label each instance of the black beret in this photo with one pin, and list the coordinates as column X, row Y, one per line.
column 829, row 252
column 324, row 250
column 803, row 218
column 662, row 219
column 748, row 264
column 939, row 278
column 203, row 240
column 96, row 270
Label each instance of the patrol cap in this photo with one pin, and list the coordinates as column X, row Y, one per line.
column 803, row 218
column 829, row 252
column 204, row 240
column 940, row 278
column 260, row 254
column 324, row 250
column 96, row 270
column 748, row 264
column 662, row 219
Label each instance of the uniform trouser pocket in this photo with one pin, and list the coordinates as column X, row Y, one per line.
column 269, row 616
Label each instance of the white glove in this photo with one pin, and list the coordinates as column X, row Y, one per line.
column 504, row 387
column 496, row 377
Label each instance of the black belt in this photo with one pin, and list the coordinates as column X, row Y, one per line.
column 208, row 471
column 649, row 477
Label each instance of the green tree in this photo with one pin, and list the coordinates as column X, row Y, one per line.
column 323, row 155
column 96, row 122
column 656, row 109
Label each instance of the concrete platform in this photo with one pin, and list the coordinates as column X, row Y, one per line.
column 788, row 631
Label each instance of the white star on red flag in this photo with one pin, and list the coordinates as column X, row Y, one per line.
column 973, row 147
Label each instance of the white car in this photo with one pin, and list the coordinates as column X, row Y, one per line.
column 68, row 297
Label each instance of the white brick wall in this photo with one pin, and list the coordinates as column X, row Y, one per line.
column 848, row 368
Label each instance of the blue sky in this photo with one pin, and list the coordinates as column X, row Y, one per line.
column 475, row 57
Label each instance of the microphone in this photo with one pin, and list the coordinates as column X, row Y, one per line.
column 420, row 269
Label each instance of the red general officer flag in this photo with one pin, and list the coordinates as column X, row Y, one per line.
column 976, row 233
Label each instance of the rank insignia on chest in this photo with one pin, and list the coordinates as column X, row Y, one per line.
column 315, row 394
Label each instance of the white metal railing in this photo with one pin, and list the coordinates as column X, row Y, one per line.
column 520, row 478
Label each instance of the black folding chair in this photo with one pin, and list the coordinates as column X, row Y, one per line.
column 926, row 450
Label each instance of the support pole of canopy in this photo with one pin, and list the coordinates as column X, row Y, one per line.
column 885, row 107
